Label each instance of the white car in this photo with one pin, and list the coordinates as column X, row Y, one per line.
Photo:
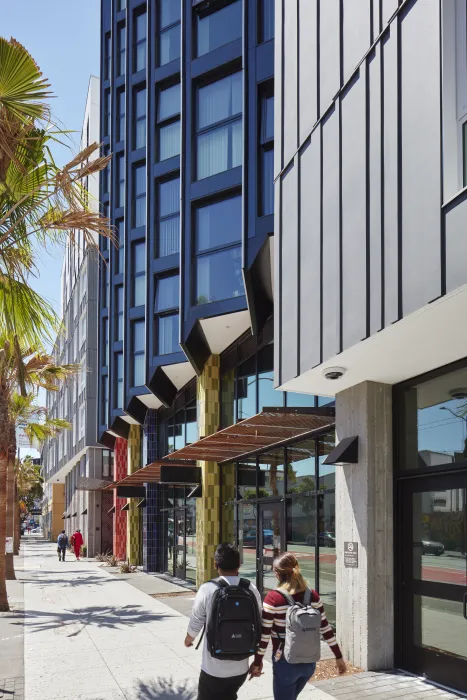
column 36, row 531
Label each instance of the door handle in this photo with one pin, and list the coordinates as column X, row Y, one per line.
column 465, row 606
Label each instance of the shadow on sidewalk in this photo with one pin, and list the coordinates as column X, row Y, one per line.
column 83, row 580
column 165, row 689
column 98, row 616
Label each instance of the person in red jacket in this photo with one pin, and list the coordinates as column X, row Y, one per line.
column 289, row 679
column 76, row 542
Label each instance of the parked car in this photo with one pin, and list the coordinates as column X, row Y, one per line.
column 325, row 539
column 430, row 547
column 36, row 530
column 249, row 538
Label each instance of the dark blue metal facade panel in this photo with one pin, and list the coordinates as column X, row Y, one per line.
column 140, row 211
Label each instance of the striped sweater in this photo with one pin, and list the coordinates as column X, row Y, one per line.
column 273, row 623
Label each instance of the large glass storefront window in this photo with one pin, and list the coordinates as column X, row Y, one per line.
column 434, row 422
column 284, row 500
column 249, row 388
column 179, row 517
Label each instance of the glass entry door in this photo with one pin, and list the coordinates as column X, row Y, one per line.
column 179, row 543
column 433, row 539
column 271, row 542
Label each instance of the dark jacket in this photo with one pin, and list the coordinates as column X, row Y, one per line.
column 62, row 541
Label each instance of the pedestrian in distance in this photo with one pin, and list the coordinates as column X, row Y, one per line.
column 76, row 543
column 62, row 544
column 294, row 617
column 229, row 610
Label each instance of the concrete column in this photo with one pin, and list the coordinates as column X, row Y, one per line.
column 208, row 506
column 364, row 514
column 134, row 514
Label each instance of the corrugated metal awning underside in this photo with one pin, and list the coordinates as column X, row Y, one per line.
column 157, row 473
column 272, row 428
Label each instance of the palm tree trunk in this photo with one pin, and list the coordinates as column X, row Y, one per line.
column 17, row 524
column 4, row 607
column 10, row 500
column 10, row 505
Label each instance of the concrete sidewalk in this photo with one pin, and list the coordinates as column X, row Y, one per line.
column 91, row 635
column 12, row 640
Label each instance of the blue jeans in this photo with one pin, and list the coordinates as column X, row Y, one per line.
column 290, row 679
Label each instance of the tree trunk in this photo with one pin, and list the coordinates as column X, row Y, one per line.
column 17, row 542
column 10, row 506
column 4, row 607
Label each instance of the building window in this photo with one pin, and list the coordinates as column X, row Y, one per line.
column 139, row 274
column 107, row 113
column 139, row 184
column 119, row 312
column 266, row 20
column 140, row 118
column 105, row 342
column 82, row 420
column 169, row 43
column 217, row 240
column 166, row 305
column 266, row 188
column 82, row 380
column 107, row 463
column 121, row 110
column 105, row 399
column 140, row 42
column 82, row 333
column 121, row 48
column 219, row 126
column 119, row 253
column 139, row 342
column 121, row 5
column 219, row 28
column 168, row 122
column 168, row 238
column 107, row 57
column 120, row 180
column 105, row 284
column 119, row 380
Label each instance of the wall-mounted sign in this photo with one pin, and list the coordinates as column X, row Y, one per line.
column 8, row 545
column 351, row 555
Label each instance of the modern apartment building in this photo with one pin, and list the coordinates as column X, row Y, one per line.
column 370, row 301
column 186, row 301
column 74, row 465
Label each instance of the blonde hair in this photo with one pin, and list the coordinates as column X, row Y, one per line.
column 288, row 570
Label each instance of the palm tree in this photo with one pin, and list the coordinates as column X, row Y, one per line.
column 27, row 482
column 39, row 427
column 28, row 371
column 40, row 204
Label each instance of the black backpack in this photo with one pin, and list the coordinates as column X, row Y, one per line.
column 233, row 630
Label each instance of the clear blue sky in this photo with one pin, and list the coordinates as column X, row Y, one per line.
column 63, row 38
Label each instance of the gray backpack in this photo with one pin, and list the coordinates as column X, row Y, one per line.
column 302, row 630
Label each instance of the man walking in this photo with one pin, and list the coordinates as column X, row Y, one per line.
column 221, row 679
column 76, row 542
column 62, row 544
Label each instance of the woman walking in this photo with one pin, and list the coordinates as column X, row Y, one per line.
column 289, row 678
column 76, row 542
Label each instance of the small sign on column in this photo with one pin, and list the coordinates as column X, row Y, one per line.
column 351, row 555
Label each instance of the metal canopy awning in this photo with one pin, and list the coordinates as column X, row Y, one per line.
column 163, row 472
column 272, row 428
